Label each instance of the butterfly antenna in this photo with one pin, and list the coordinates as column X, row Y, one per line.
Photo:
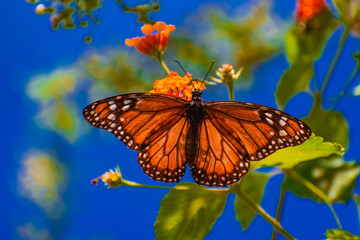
column 212, row 64
column 184, row 71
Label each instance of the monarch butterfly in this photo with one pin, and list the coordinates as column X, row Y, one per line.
column 216, row 139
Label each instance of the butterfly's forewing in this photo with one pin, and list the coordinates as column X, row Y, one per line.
column 261, row 129
column 248, row 132
column 153, row 124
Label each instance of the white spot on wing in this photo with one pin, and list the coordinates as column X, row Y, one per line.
column 127, row 101
column 269, row 121
column 113, row 107
column 282, row 133
column 282, row 122
column 268, row 114
column 125, row 108
column 111, row 117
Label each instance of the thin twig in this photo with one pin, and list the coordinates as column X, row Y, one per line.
column 278, row 212
column 314, row 189
column 347, row 85
column 336, row 58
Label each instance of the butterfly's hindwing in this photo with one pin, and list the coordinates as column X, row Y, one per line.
column 163, row 156
column 220, row 159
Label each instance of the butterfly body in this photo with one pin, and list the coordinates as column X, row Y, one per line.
column 216, row 139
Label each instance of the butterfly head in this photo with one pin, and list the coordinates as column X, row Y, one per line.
column 196, row 95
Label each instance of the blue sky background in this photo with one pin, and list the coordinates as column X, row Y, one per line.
column 29, row 47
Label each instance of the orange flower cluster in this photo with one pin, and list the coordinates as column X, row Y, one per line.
column 177, row 86
column 152, row 44
column 308, row 9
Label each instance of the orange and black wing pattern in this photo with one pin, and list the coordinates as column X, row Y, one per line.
column 232, row 133
column 153, row 124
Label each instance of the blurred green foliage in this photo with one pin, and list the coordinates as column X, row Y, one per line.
column 41, row 179
column 73, row 13
column 339, row 234
column 333, row 176
column 303, row 46
column 57, row 111
column 248, row 42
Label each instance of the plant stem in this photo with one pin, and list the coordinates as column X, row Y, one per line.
column 278, row 212
column 314, row 189
column 230, row 86
column 347, row 85
column 336, row 58
column 257, row 208
column 177, row 187
column 163, row 65
column 357, row 203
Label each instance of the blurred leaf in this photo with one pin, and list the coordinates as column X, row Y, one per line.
column 115, row 73
column 63, row 11
column 41, row 179
column 303, row 46
column 253, row 185
column 357, row 90
column 249, row 43
column 54, row 85
column 339, row 234
column 186, row 49
column 349, row 12
column 65, row 16
column 331, row 125
column 63, row 119
column 288, row 157
column 333, row 176
column 28, row 231
column 59, row 116
column 88, row 5
column 189, row 214
column 357, row 58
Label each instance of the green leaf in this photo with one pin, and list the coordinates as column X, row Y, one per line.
column 63, row 118
column 54, row 85
column 253, row 185
column 349, row 11
column 186, row 49
column 303, row 46
column 331, row 125
column 288, row 157
column 339, row 234
column 249, row 43
column 333, row 176
column 189, row 214
column 357, row 90
column 116, row 72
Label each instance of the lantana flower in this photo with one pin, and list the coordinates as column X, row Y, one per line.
column 227, row 75
column 177, row 86
column 155, row 40
column 309, row 9
column 110, row 178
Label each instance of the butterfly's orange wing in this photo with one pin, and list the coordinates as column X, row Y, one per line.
column 153, row 124
column 233, row 133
